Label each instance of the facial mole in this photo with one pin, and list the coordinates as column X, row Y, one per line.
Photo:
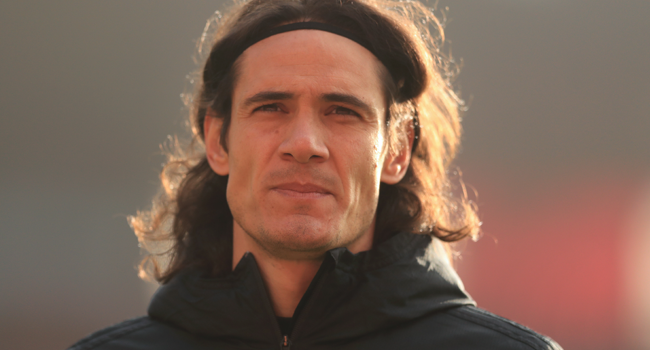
column 376, row 151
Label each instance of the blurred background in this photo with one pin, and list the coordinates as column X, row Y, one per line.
column 556, row 144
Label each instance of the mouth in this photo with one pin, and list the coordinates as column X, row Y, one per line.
column 298, row 190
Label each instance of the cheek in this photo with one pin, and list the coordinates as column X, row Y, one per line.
column 251, row 151
column 376, row 153
column 241, row 160
column 365, row 167
column 376, row 156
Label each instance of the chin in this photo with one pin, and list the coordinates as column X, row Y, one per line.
column 299, row 238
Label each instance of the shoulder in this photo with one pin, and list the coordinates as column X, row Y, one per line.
column 475, row 325
column 135, row 334
column 113, row 332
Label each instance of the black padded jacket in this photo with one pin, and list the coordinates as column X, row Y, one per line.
column 402, row 294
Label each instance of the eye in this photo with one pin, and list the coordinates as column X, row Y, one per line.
column 344, row 111
column 273, row 107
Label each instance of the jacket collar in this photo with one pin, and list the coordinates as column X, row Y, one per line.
column 404, row 278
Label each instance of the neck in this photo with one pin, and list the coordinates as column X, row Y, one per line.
column 286, row 280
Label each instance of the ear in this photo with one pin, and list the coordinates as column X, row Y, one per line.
column 217, row 156
column 396, row 165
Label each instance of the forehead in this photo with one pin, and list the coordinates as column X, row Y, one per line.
column 300, row 58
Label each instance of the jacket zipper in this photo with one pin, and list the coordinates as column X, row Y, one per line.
column 286, row 343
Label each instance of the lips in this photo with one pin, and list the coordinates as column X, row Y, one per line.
column 301, row 190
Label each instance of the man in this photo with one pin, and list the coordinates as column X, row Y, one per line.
column 316, row 214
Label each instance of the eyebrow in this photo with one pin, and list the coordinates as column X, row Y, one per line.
column 267, row 96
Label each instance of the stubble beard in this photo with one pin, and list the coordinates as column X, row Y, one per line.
column 298, row 242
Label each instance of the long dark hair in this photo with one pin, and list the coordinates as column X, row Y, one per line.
column 190, row 223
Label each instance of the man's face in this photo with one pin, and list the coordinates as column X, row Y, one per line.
column 306, row 143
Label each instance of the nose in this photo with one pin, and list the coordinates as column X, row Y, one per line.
column 304, row 140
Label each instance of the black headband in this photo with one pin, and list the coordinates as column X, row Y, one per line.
column 310, row 25
column 334, row 30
